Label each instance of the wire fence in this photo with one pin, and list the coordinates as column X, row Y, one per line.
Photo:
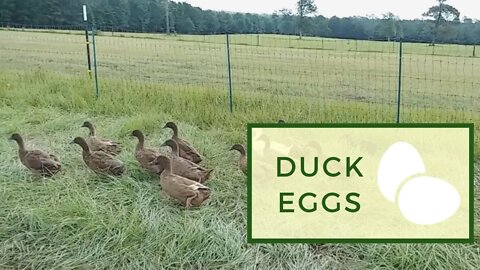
column 431, row 78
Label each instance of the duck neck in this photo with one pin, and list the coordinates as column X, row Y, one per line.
column 91, row 128
column 242, row 151
column 175, row 131
column 85, row 148
column 141, row 142
column 174, row 147
column 21, row 147
column 167, row 168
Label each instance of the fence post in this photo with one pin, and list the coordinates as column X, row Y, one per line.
column 87, row 42
column 474, row 47
column 95, row 61
column 399, row 90
column 230, row 98
column 258, row 39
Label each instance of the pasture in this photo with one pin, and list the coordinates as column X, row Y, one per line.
column 76, row 220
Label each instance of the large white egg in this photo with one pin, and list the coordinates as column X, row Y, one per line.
column 400, row 161
column 426, row 200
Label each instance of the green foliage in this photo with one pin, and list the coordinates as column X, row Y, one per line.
column 441, row 14
column 388, row 28
column 304, row 8
column 150, row 16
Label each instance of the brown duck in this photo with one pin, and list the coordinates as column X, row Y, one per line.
column 37, row 161
column 242, row 161
column 186, row 150
column 145, row 156
column 98, row 144
column 188, row 192
column 99, row 161
column 185, row 167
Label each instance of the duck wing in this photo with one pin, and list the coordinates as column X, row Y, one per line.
column 146, row 155
column 182, row 188
column 111, row 145
column 99, row 144
column 105, row 163
column 187, row 151
column 192, row 185
column 148, row 160
column 42, row 163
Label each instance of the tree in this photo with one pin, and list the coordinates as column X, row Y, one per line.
column 441, row 14
column 388, row 28
column 321, row 26
column 444, row 24
column 139, row 15
column 304, row 8
column 6, row 10
column 209, row 22
column 225, row 22
column 286, row 25
column 239, row 23
column 157, row 19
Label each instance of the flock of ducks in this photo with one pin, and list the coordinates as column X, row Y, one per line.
column 181, row 176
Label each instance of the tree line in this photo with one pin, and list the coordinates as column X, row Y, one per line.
column 442, row 22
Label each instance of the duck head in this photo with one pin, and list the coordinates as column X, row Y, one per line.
column 239, row 148
column 173, row 145
column 137, row 133
column 90, row 127
column 164, row 162
column 81, row 141
column 172, row 126
column 87, row 124
column 16, row 137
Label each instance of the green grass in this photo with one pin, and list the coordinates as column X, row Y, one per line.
column 78, row 220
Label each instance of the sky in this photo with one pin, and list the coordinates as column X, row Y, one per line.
column 405, row 9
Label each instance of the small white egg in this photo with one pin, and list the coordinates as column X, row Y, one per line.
column 400, row 161
column 426, row 200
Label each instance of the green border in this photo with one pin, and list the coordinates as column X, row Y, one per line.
column 469, row 240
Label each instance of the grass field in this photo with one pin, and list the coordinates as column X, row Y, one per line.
column 77, row 220
column 369, row 74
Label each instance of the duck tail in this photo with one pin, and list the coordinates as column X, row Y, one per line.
column 208, row 174
column 197, row 159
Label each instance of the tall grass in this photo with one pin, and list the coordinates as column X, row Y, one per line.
column 149, row 102
column 77, row 220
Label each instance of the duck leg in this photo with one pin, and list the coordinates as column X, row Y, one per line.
column 188, row 203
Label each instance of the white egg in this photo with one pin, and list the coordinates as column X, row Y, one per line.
column 400, row 161
column 426, row 200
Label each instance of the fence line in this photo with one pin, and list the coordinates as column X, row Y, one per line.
column 431, row 78
column 399, row 90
